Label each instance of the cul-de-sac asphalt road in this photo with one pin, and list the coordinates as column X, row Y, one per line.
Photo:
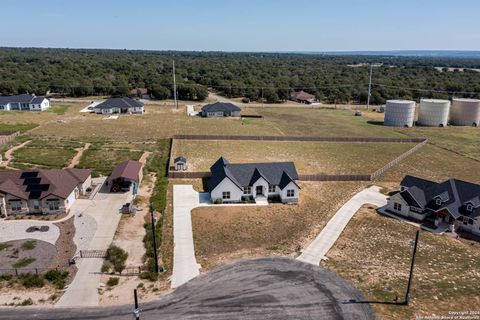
column 268, row 288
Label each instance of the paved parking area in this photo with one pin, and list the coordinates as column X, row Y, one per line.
column 17, row 230
column 96, row 222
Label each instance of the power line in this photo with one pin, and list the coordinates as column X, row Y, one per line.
column 425, row 90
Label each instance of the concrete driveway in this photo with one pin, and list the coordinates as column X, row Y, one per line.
column 96, row 222
column 17, row 230
column 185, row 266
column 317, row 250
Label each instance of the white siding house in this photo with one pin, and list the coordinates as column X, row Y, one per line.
column 24, row 102
column 274, row 181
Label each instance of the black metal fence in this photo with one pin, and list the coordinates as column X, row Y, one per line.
column 92, row 253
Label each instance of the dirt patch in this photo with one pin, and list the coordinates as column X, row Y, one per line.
column 76, row 159
column 374, row 253
column 224, row 233
column 65, row 248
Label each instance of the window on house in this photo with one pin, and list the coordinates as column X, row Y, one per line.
column 36, row 205
column 226, row 195
column 247, row 190
column 53, row 205
column 290, row 193
column 397, row 207
column 15, row 205
column 438, row 201
column 271, row 189
column 469, row 207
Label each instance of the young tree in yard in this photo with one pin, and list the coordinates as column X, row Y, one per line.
column 270, row 95
column 117, row 257
column 160, row 92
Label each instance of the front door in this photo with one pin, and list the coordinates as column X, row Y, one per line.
column 259, row 191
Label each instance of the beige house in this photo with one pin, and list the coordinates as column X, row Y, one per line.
column 42, row 191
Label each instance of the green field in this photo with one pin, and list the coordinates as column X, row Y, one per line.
column 102, row 161
column 45, row 157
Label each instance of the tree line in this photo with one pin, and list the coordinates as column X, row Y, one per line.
column 253, row 76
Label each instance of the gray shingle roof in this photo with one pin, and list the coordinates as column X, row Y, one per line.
column 21, row 98
column 455, row 195
column 245, row 174
column 220, row 107
column 125, row 102
column 180, row 159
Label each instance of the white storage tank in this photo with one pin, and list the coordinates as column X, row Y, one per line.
column 465, row 112
column 433, row 112
column 399, row 113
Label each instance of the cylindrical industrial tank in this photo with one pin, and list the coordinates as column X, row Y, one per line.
column 433, row 112
column 465, row 112
column 399, row 113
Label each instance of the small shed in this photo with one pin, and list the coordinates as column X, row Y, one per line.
column 126, row 177
column 180, row 163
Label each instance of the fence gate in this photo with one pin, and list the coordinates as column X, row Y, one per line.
column 93, row 253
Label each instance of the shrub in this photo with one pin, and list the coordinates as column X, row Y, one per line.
column 4, row 246
column 27, row 302
column 245, row 100
column 23, row 262
column 106, row 266
column 29, row 245
column 57, row 278
column 117, row 257
column 6, row 277
column 149, row 275
column 112, row 281
column 30, row 280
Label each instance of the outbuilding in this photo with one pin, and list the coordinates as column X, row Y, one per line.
column 126, row 177
column 180, row 163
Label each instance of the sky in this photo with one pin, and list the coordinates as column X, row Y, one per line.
column 242, row 25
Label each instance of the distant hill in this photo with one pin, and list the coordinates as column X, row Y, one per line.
column 405, row 53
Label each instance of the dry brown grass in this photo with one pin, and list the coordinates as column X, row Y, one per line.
column 225, row 233
column 309, row 157
column 374, row 253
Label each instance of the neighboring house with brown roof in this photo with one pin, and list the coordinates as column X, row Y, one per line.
column 303, row 97
column 126, row 176
column 42, row 191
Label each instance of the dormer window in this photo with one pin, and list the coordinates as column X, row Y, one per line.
column 438, row 201
column 469, row 207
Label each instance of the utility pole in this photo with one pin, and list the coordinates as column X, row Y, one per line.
column 155, row 258
column 407, row 295
column 174, row 86
column 262, row 97
column 136, row 311
column 369, row 87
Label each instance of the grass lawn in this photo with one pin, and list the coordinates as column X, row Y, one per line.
column 45, row 157
column 22, row 127
column 374, row 254
column 226, row 233
column 59, row 109
column 102, row 161
column 309, row 157
column 432, row 162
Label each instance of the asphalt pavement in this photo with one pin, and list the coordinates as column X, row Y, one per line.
column 266, row 289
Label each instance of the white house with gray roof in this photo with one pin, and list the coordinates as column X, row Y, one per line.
column 231, row 183
column 27, row 102
column 220, row 109
column 119, row 105
column 453, row 203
